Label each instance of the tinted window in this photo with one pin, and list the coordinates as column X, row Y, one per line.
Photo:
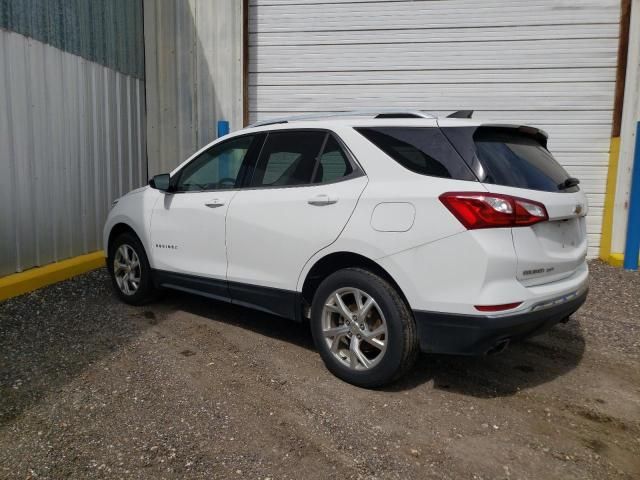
column 333, row 163
column 217, row 168
column 421, row 150
column 516, row 159
column 288, row 158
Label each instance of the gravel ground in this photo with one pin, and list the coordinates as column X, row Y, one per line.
column 190, row 388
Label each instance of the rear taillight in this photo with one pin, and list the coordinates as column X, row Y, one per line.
column 493, row 210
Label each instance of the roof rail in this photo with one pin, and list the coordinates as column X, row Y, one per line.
column 461, row 114
column 377, row 113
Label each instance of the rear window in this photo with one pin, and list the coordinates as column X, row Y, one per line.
column 516, row 159
column 422, row 150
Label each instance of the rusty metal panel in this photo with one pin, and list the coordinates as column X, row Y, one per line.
column 71, row 141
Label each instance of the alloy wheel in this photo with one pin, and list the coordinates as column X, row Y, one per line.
column 126, row 269
column 354, row 328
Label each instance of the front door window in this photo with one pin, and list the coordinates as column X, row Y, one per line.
column 216, row 169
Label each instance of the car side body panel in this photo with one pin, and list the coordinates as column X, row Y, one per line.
column 134, row 210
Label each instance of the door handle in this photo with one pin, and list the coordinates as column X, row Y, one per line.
column 215, row 203
column 322, row 200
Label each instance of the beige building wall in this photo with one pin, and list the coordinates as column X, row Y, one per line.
column 193, row 60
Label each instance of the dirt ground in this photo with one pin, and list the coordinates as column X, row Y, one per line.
column 190, row 388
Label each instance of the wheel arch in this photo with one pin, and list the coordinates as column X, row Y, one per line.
column 335, row 261
column 118, row 229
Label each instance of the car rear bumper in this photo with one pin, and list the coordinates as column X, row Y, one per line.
column 478, row 335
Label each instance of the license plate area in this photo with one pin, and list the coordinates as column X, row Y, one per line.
column 550, row 251
column 560, row 236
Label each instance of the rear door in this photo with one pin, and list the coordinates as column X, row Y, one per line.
column 515, row 161
column 302, row 192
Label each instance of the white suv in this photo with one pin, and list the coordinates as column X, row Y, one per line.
column 391, row 233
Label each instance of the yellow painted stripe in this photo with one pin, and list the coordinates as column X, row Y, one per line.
column 23, row 282
column 607, row 217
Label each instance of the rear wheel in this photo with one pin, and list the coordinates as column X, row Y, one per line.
column 130, row 270
column 362, row 328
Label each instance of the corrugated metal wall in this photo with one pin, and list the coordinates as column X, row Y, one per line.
column 193, row 55
column 550, row 63
column 72, row 139
column 108, row 32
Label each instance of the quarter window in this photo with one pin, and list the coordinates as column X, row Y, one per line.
column 422, row 150
column 217, row 168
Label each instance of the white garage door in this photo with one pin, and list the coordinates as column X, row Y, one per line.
column 547, row 63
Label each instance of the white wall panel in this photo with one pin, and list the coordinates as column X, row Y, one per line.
column 70, row 143
column 550, row 63
column 630, row 119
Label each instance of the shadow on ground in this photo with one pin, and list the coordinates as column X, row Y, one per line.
column 51, row 335
column 522, row 366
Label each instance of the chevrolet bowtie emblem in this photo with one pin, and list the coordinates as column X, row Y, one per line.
column 578, row 209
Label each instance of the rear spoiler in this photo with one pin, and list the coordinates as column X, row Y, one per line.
column 537, row 133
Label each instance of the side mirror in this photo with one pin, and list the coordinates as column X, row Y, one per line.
column 161, row 182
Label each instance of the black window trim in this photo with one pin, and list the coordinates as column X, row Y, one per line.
column 250, row 162
column 242, row 173
column 357, row 170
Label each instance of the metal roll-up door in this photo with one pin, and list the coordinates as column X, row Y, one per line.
column 548, row 63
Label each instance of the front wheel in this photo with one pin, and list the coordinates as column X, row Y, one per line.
column 130, row 270
column 364, row 331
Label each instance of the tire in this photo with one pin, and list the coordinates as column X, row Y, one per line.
column 145, row 290
column 381, row 359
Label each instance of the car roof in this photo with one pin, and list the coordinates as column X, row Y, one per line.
column 352, row 119
column 376, row 118
column 331, row 123
column 354, row 116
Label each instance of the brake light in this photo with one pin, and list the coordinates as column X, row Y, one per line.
column 493, row 210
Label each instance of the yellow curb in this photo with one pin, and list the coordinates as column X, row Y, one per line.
column 23, row 282
column 615, row 259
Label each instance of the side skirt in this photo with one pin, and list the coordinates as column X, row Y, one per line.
column 283, row 303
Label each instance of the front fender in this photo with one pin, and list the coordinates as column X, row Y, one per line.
column 135, row 211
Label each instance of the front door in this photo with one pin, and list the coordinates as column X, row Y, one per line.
column 188, row 225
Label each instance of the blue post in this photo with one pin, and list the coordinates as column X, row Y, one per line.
column 223, row 128
column 632, row 247
column 223, row 164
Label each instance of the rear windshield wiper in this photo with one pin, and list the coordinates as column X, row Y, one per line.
column 568, row 183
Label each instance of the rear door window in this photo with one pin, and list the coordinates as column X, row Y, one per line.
column 423, row 150
column 333, row 163
column 288, row 158
column 515, row 159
